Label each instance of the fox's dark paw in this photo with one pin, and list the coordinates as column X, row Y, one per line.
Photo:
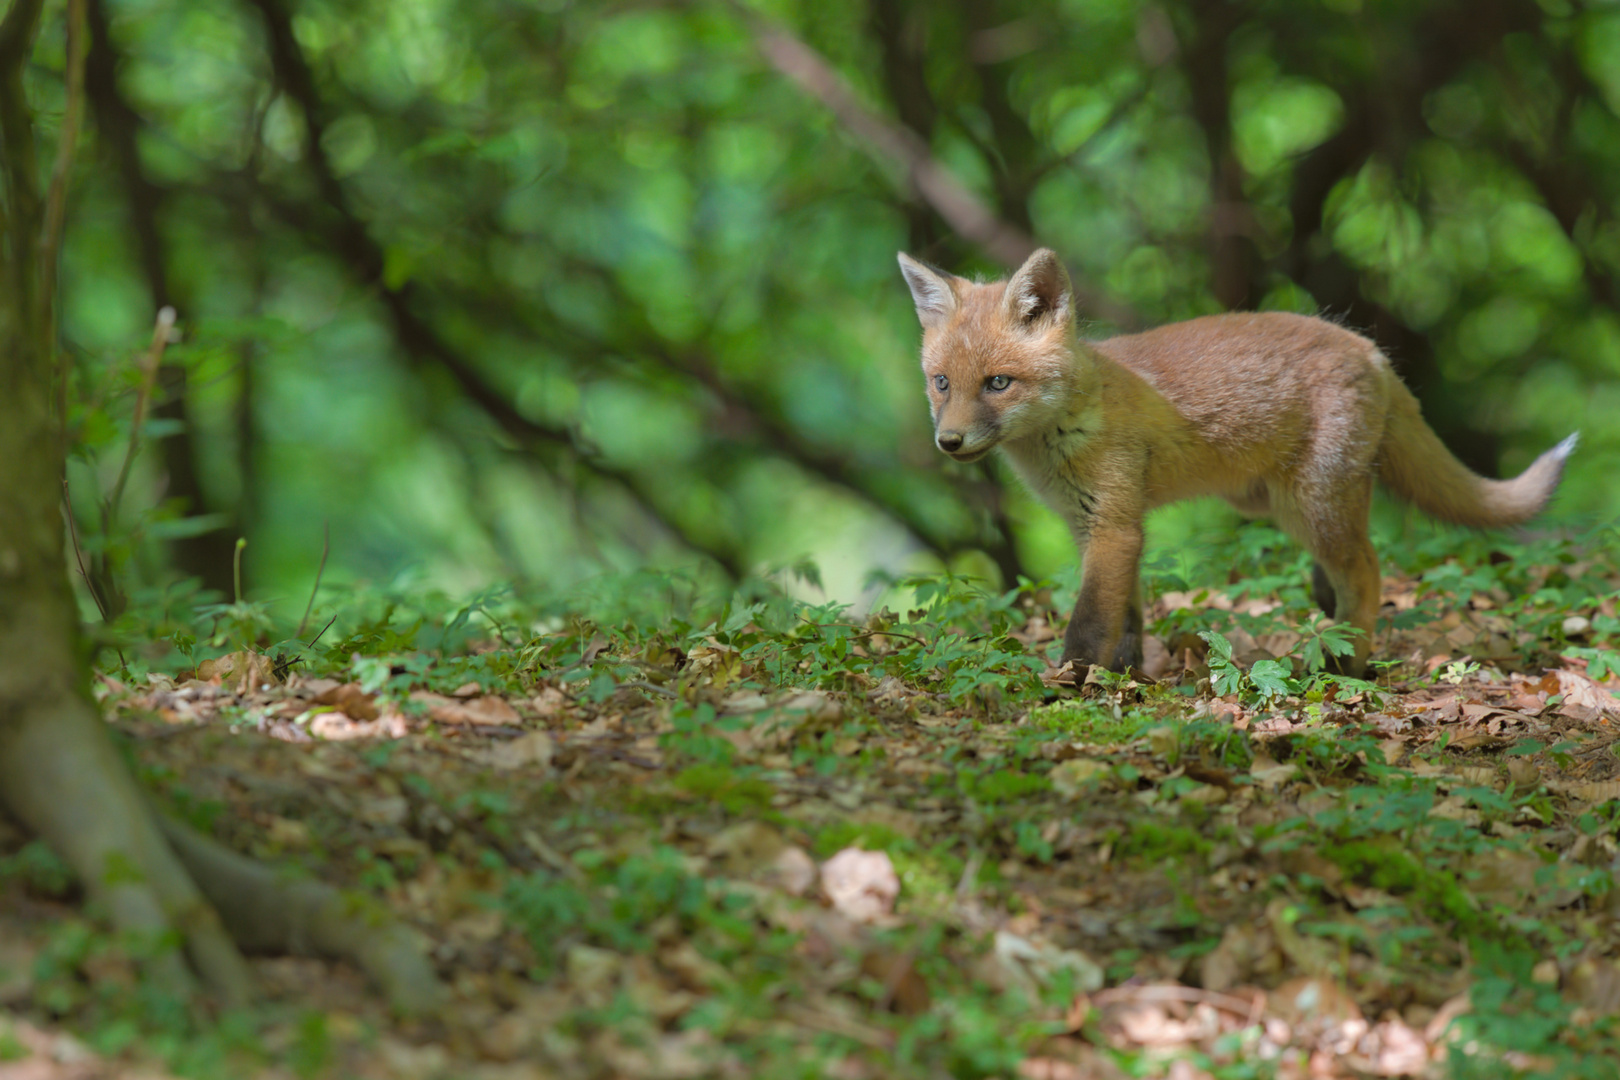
column 1080, row 661
column 1129, row 653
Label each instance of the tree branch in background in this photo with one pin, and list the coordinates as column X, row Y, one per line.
column 754, row 411
column 1234, row 260
column 1016, row 155
column 1570, row 191
column 350, row 241
column 346, row 237
column 900, row 33
column 786, row 441
column 206, row 555
column 67, row 140
column 897, row 147
column 1384, row 117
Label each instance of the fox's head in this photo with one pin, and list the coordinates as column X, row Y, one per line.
column 998, row 356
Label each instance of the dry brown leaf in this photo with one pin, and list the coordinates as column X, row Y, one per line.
column 1580, row 690
column 241, row 671
column 347, row 698
column 861, row 884
column 487, row 711
column 340, row 727
column 549, row 703
column 1595, row 791
column 1314, row 1004
column 1523, row 773
column 1270, row 774
column 1047, row 1068
column 1476, row 741
column 819, row 707
column 1392, row 1049
column 743, row 702
column 719, row 664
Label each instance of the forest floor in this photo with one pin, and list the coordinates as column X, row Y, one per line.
column 794, row 846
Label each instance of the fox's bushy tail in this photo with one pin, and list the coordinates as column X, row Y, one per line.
column 1416, row 465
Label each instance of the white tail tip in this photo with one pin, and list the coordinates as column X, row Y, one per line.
column 1567, row 447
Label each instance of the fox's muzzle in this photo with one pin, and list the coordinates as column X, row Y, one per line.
column 956, row 445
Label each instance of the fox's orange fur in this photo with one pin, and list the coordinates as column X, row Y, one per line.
column 1282, row 415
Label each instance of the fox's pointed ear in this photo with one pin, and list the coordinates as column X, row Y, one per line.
column 931, row 291
column 1041, row 287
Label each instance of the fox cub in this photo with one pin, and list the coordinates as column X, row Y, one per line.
column 1282, row 415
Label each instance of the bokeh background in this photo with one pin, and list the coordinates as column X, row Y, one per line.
column 530, row 290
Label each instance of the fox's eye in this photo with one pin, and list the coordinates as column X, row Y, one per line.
column 941, row 383
column 999, row 382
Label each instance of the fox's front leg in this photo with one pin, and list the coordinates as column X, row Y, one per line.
column 1108, row 596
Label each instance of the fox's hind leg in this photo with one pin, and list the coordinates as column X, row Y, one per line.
column 1332, row 524
column 1322, row 590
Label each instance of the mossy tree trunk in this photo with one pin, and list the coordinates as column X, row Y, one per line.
column 60, row 774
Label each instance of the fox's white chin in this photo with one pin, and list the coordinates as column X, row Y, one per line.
column 969, row 456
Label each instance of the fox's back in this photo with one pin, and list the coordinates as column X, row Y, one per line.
column 1247, row 377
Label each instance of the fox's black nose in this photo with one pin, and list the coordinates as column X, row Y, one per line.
column 949, row 441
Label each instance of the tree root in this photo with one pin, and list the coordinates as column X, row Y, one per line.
column 61, row 776
column 267, row 912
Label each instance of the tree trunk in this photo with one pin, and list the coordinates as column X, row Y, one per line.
column 59, row 772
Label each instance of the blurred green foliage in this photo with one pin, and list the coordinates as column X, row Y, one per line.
column 531, row 291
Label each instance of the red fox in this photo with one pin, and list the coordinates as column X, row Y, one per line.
column 1282, row 415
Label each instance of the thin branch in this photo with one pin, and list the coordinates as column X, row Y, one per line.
column 326, row 549
column 421, row 344
column 893, row 145
column 754, row 410
column 78, row 551
column 149, row 370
